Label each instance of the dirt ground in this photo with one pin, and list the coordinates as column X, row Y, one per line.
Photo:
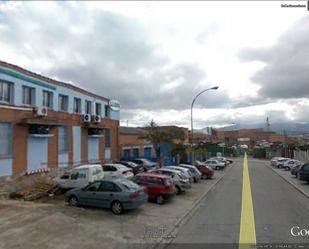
column 51, row 223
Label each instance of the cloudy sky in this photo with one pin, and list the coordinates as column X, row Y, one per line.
column 155, row 56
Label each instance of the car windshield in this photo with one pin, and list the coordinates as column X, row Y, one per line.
column 146, row 161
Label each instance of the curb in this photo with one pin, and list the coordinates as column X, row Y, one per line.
column 168, row 239
column 292, row 183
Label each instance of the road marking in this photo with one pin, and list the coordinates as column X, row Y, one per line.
column 247, row 237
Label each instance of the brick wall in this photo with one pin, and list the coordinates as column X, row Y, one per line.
column 20, row 136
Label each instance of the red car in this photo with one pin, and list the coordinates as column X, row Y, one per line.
column 206, row 171
column 159, row 187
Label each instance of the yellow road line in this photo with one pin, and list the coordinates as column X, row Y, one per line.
column 247, row 237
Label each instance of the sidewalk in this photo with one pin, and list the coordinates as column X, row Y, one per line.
column 301, row 186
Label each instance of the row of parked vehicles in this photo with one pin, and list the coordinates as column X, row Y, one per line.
column 297, row 168
column 124, row 185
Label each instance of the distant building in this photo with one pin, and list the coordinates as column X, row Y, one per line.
column 48, row 123
column 133, row 143
column 250, row 137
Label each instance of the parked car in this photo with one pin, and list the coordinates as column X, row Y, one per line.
column 215, row 164
column 80, row 176
column 206, row 171
column 147, row 164
column 273, row 161
column 294, row 170
column 223, row 159
column 159, row 187
column 116, row 194
column 303, row 173
column 220, row 159
column 195, row 172
column 114, row 170
column 184, row 171
column 279, row 163
column 181, row 183
column 131, row 165
column 291, row 163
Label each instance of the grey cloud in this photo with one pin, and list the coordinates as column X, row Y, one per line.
column 107, row 53
column 286, row 71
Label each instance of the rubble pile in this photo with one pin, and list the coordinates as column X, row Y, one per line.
column 30, row 187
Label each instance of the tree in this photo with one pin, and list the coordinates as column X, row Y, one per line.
column 157, row 135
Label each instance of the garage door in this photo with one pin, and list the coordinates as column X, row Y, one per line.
column 37, row 152
column 93, row 148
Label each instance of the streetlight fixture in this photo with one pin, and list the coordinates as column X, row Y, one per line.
column 193, row 101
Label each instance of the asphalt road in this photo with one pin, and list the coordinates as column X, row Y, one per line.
column 277, row 208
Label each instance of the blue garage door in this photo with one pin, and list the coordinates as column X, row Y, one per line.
column 77, row 143
column 135, row 152
column 147, row 152
column 126, row 153
column 93, row 148
column 37, row 152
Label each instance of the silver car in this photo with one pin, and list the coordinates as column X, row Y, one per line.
column 196, row 173
column 289, row 164
column 215, row 164
column 185, row 171
column 181, row 183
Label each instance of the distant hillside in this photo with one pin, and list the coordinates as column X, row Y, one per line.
column 290, row 128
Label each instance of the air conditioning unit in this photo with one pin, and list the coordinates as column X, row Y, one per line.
column 96, row 118
column 86, row 118
column 41, row 111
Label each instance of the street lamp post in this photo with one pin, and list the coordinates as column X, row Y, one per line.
column 193, row 101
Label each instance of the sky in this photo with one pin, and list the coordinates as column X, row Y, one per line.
column 154, row 57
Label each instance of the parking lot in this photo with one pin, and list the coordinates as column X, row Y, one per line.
column 51, row 223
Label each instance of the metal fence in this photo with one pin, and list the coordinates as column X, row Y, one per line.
column 301, row 155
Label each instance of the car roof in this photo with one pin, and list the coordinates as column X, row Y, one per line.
column 187, row 165
column 86, row 166
column 177, row 167
column 164, row 169
column 153, row 175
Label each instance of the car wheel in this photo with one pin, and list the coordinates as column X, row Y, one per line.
column 205, row 176
column 116, row 207
column 217, row 168
column 159, row 199
column 73, row 201
column 178, row 191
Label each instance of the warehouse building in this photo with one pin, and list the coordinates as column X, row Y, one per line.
column 48, row 123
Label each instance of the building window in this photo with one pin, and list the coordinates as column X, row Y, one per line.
column 98, row 109
column 88, row 107
column 77, row 105
column 63, row 102
column 28, row 95
column 107, row 111
column 48, row 99
column 6, row 92
column 62, row 139
column 6, row 139
column 107, row 138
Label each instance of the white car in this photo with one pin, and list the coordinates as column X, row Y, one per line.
column 289, row 164
column 215, row 164
column 80, row 176
column 114, row 170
